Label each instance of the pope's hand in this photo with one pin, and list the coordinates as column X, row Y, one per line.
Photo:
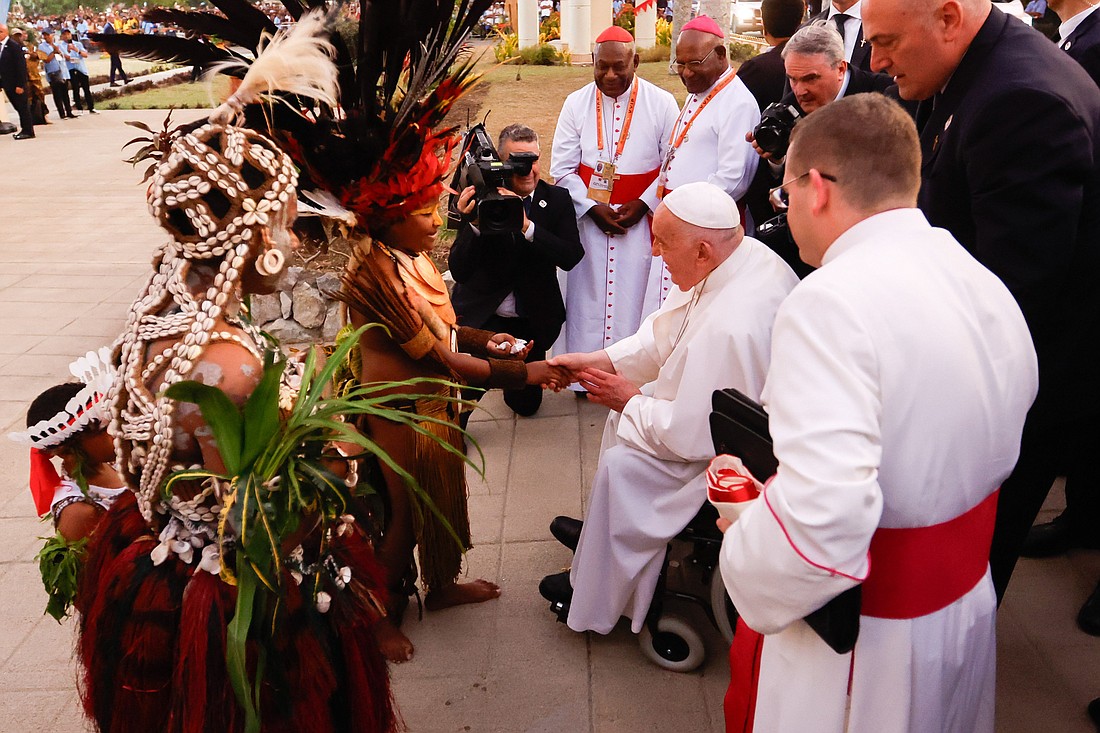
column 608, row 389
column 723, row 524
column 547, row 376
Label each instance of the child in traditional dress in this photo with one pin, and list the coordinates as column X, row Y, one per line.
column 66, row 422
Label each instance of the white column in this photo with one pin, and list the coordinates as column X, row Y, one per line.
column 528, row 21
column 576, row 29
column 602, row 17
column 645, row 26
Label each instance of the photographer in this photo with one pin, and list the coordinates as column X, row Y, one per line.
column 57, row 72
column 818, row 74
column 507, row 282
column 75, row 53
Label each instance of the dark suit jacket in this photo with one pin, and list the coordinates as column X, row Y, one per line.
column 861, row 54
column 1083, row 45
column 1010, row 151
column 488, row 267
column 756, row 198
column 765, row 76
column 13, row 66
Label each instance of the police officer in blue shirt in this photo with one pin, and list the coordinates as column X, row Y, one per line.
column 57, row 71
column 75, row 53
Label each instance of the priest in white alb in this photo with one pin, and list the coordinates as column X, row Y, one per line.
column 611, row 137
column 713, row 331
column 707, row 142
column 901, row 373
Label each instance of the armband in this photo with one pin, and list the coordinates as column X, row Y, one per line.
column 419, row 345
column 506, row 374
column 474, row 341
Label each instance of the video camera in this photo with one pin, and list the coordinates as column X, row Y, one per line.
column 481, row 167
column 773, row 134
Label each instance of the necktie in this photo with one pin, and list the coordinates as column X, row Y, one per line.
column 527, row 205
column 840, row 19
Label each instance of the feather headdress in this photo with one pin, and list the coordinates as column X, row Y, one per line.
column 379, row 151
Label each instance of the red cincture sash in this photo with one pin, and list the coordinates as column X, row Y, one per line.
column 627, row 187
column 920, row 570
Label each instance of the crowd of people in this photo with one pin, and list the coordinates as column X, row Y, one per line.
column 860, row 230
column 48, row 54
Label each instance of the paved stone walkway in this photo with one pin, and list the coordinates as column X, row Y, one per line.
column 71, row 259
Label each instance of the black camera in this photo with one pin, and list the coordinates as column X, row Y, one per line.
column 773, row 134
column 481, row 167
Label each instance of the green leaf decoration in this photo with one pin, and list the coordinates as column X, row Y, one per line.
column 279, row 475
column 221, row 415
column 59, row 561
column 236, row 644
column 261, row 412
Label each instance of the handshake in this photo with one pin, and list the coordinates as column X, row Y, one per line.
column 595, row 373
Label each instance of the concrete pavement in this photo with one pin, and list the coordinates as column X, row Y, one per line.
column 71, row 259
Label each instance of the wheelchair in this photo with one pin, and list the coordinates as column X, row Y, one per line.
column 670, row 640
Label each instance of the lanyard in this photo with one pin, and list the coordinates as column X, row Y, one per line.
column 626, row 124
column 683, row 133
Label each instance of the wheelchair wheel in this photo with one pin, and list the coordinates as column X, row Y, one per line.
column 725, row 615
column 676, row 647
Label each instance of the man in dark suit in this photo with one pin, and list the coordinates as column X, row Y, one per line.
column 815, row 68
column 1079, row 524
column 1079, row 33
column 507, row 283
column 1010, row 137
column 847, row 17
column 763, row 74
column 14, row 81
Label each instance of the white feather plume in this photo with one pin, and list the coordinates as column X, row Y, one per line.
column 298, row 61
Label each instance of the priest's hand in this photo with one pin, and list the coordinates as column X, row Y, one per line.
column 496, row 349
column 632, row 212
column 607, row 219
column 608, row 389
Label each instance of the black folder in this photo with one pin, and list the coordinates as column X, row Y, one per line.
column 739, row 427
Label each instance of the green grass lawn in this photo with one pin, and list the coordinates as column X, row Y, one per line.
column 180, row 96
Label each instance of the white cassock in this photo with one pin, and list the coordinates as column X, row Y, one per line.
column 650, row 479
column 901, row 373
column 713, row 150
column 605, row 292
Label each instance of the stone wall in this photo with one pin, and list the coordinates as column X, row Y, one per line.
column 304, row 313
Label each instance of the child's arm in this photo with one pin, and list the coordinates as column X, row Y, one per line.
column 77, row 519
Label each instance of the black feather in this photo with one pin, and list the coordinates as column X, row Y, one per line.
column 162, row 48
column 250, row 20
column 200, row 23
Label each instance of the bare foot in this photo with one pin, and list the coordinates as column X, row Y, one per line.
column 395, row 646
column 457, row 594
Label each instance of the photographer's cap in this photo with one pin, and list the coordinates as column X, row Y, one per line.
column 704, row 205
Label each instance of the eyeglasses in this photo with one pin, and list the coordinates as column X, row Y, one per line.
column 778, row 195
column 693, row 65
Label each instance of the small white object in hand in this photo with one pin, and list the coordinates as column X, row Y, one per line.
column 517, row 347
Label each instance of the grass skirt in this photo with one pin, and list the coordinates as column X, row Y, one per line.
column 152, row 643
